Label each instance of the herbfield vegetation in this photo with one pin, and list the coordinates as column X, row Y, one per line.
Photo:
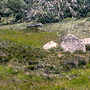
column 25, row 65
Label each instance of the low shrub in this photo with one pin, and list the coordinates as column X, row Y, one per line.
column 88, row 19
column 82, row 62
column 88, row 65
column 31, row 67
column 87, row 47
column 66, row 52
column 28, row 30
column 88, row 14
column 22, row 53
column 78, row 52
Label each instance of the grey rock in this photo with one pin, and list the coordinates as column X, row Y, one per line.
column 30, row 14
column 86, row 41
column 72, row 43
column 2, row 54
column 4, row 44
column 35, row 25
column 50, row 45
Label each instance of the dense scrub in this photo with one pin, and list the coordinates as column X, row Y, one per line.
column 53, row 60
column 45, row 11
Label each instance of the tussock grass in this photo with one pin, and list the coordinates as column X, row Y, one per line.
column 78, row 27
column 16, row 26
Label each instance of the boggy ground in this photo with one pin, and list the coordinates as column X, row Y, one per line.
column 26, row 65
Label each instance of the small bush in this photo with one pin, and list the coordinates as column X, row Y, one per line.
column 78, row 52
column 88, row 14
column 31, row 67
column 66, row 52
column 88, row 19
column 82, row 62
column 87, row 47
column 88, row 65
column 28, row 30
column 11, row 71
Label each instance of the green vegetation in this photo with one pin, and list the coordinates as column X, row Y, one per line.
column 76, row 79
column 12, row 7
column 25, row 65
column 54, row 11
column 28, row 39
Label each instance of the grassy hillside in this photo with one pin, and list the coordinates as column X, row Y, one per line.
column 28, row 39
column 78, row 27
column 26, row 65
column 13, row 80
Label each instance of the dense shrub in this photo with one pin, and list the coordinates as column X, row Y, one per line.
column 36, row 58
column 12, row 7
column 59, row 11
column 19, row 15
column 47, row 18
column 82, row 62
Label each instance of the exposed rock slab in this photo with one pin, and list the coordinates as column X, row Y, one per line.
column 35, row 25
column 50, row 45
column 72, row 43
column 86, row 41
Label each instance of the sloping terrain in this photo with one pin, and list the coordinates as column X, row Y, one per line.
column 25, row 65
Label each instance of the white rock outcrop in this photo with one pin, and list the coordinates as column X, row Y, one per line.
column 50, row 45
column 86, row 41
column 72, row 43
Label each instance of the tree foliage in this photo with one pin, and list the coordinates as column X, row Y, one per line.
column 15, row 7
